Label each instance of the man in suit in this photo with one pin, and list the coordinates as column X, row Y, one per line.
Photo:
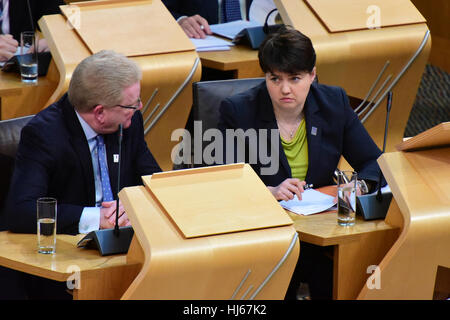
column 60, row 155
column 195, row 16
column 60, row 151
column 16, row 18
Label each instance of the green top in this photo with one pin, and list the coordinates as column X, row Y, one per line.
column 296, row 152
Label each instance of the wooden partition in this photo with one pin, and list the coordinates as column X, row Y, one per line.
column 145, row 31
column 209, row 233
column 420, row 184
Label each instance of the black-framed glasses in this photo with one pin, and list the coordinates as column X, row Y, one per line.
column 134, row 107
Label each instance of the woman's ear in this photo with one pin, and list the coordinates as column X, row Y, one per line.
column 313, row 74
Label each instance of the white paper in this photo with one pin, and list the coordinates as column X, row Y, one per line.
column 312, row 202
column 231, row 29
column 211, row 43
column 218, row 48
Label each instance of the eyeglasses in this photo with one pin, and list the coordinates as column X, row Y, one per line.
column 135, row 107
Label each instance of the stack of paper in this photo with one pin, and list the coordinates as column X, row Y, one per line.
column 231, row 29
column 211, row 43
column 312, row 202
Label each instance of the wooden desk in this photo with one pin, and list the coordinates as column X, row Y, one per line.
column 18, row 99
column 355, row 248
column 99, row 277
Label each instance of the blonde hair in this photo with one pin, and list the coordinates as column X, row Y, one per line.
column 101, row 79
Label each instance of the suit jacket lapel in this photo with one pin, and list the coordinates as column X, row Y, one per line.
column 268, row 121
column 314, row 125
column 81, row 147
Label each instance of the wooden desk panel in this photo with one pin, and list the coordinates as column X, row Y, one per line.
column 419, row 182
column 241, row 59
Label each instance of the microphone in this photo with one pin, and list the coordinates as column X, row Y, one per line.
column 268, row 29
column 375, row 205
column 116, row 240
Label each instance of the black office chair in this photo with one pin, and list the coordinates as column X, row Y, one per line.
column 9, row 140
column 207, row 97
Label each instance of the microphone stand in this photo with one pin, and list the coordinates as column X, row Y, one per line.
column 116, row 240
column 386, row 126
column 375, row 205
column 116, row 227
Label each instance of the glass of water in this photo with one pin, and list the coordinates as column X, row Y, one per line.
column 46, row 225
column 346, row 197
column 28, row 58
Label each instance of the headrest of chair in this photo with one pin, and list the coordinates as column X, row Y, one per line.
column 10, row 134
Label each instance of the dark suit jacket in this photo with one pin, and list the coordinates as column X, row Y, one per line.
column 337, row 132
column 53, row 159
column 208, row 9
column 19, row 16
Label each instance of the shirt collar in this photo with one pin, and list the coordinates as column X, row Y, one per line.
column 88, row 131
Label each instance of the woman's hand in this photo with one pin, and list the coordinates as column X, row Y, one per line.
column 287, row 189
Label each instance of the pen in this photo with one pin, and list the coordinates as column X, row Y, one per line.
column 308, row 186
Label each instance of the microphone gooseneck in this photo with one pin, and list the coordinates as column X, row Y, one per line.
column 116, row 227
column 30, row 15
column 388, row 110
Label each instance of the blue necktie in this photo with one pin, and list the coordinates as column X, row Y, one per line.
column 231, row 10
column 106, row 186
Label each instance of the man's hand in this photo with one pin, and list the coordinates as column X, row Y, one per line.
column 108, row 216
column 8, row 47
column 195, row 26
column 287, row 189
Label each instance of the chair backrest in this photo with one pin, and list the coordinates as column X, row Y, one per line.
column 208, row 95
column 9, row 140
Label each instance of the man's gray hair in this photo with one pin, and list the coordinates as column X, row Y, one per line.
column 101, row 79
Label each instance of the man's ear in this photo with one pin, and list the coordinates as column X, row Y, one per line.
column 99, row 113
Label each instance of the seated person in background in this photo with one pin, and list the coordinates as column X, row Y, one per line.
column 15, row 18
column 316, row 127
column 62, row 148
column 195, row 16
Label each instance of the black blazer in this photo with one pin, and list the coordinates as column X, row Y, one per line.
column 333, row 129
column 208, row 9
column 19, row 16
column 53, row 159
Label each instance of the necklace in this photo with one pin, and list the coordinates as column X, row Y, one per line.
column 290, row 132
